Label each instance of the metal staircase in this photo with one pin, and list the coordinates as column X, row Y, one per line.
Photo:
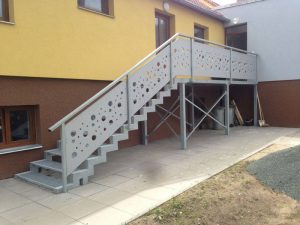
column 96, row 127
column 48, row 172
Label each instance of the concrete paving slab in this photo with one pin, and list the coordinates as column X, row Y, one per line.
column 88, row 189
column 140, row 178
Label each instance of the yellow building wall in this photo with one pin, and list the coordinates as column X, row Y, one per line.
column 56, row 39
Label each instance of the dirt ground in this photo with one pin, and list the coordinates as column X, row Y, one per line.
column 233, row 197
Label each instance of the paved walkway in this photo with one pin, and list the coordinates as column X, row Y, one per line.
column 134, row 180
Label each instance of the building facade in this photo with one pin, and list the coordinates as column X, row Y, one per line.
column 271, row 29
column 56, row 55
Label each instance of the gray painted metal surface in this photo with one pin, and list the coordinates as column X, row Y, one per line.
column 183, row 137
column 274, row 34
column 95, row 128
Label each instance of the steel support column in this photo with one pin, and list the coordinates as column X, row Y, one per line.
column 255, row 105
column 144, row 132
column 193, row 108
column 183, row 138
column 227, row 106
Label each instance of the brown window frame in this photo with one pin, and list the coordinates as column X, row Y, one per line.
column 236, row 26
column 5, row 10
column 167, row 19
column 205, row 32
column 105, row 5
column 6, row 129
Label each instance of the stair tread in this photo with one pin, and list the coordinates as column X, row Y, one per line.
column 52, row 183
column 47, row 164
column 56, row 151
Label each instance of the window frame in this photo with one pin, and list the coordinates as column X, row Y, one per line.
column 167, row 19
column 205, row 32
column 108, row 11
column 236, row 26
column 6, row 131
column 5, row 11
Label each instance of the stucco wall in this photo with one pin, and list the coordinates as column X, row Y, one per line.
column 56, row 39
column 274, row 33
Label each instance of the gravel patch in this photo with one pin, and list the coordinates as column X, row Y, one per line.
column 280, row 171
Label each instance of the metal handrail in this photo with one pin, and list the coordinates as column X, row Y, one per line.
column 108, row 87
column 112, row 84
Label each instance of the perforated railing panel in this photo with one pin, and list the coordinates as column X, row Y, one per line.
column 181, row 57
column 243, row 66
column 210, row 61
column 90, row 129
column 149, row 80
column 95, row 124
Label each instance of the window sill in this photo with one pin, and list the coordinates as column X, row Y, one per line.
column 20, row 149
column 97, row 12
column 7, row 22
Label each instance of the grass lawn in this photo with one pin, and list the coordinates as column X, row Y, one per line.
column 233, row 197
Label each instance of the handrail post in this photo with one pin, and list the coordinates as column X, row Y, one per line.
column 64, row 156
column 171, row 64
column 128, row 102
column 230, row 70
column 192, row 69
column 256, row 67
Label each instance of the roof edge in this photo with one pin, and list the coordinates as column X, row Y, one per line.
column 236, row 4
column 208, row 12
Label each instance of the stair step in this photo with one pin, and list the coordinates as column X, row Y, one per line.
column 47, row 164
column 119, row 136
column 138, row 118
column 42, row 180
column 54, row 152
column 109, row 147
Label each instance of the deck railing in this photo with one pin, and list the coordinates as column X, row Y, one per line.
column 87, row 127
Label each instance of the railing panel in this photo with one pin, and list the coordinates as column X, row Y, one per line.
column 92, row 127
column 181, row 57
column 210, row 61
column 243, row 66
column 147, row 81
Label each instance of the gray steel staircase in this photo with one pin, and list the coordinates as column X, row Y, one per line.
column 95, row 128
column 47, row 173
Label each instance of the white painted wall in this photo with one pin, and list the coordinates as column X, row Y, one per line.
column 273, row 33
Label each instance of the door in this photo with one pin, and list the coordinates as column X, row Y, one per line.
column 162, row 28
column 236, row 36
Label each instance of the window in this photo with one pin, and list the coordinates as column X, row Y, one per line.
column 199, row 32
column 236, row 36
column 17, row 126
column 4, row 10
column 102, row 6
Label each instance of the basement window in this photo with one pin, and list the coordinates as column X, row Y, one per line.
column 17, row 126
column 99, row 6
column 4, row 10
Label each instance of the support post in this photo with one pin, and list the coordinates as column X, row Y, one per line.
column 171, row 64
column 183, row 138
column 255, row 105
column 64, row 157
column 193, row 108
column 230, row 67
column 227, row 106
column 144, row 133
column 128, row 103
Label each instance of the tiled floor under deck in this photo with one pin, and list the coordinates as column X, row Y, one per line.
column 135, row 180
